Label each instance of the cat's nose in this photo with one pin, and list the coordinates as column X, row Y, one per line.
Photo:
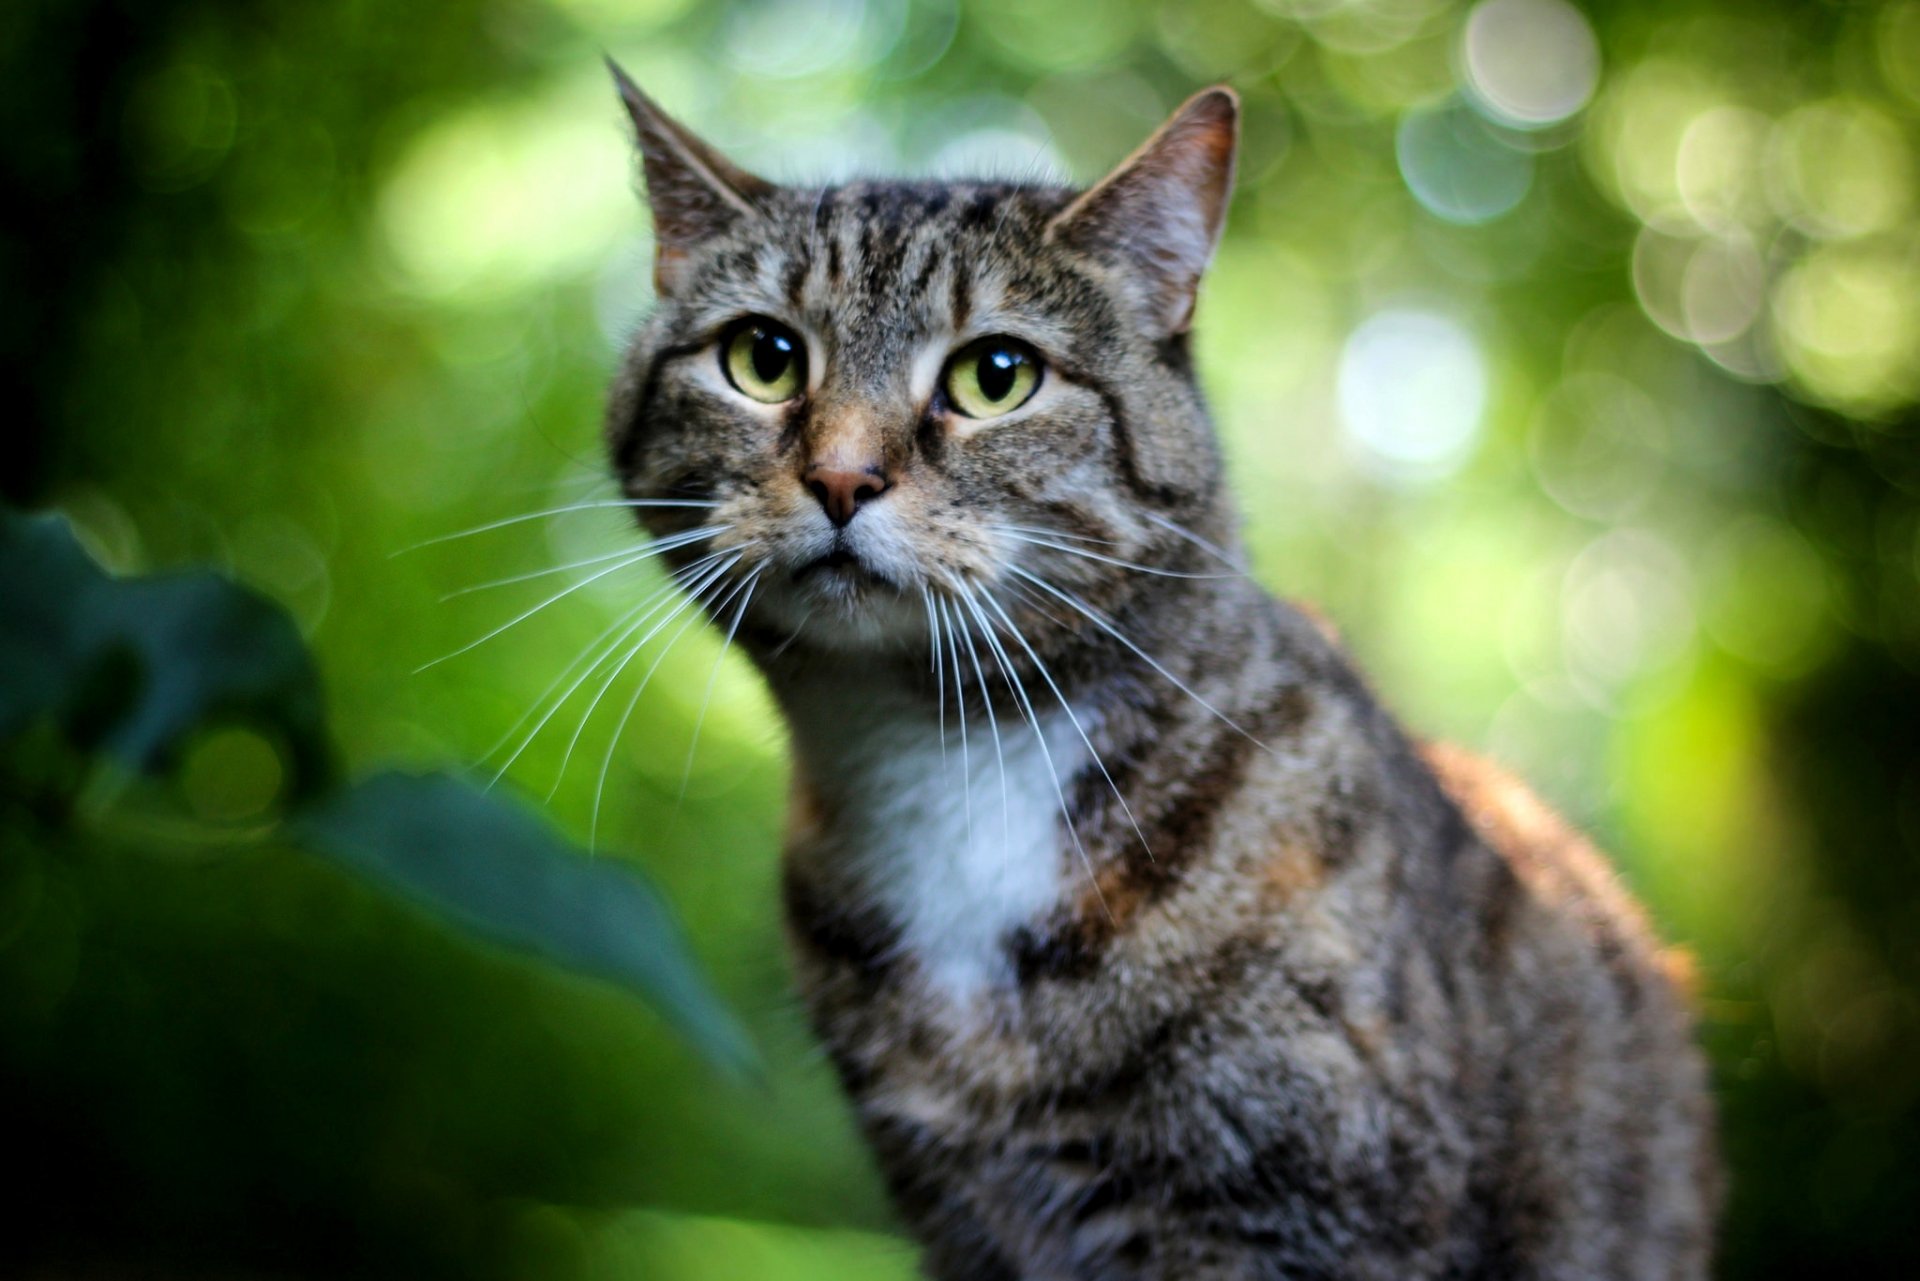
column 842, row 492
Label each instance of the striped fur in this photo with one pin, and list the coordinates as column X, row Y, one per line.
column 1269, row 991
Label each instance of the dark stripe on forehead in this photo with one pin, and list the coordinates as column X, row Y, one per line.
column 980, row 211
column 817, row 220
column 961, row 294
column 883, row 245
column 794, row 282
column 735, row 264
column 933, row 258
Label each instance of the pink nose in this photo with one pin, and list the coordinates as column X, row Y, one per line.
column 843, row 492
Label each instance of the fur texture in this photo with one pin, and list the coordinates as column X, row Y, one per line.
column 1145, row 942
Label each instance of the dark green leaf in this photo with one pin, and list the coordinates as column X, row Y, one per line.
column 499, row 872
column 136, row 665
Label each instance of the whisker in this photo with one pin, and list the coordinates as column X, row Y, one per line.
column 1045, row 532
column 792, row 636
column 1084, row 554
column 655, row 548
column 1046, row 753
column 939, row 671
column 595, row 505
column 993, row 724
column 620, row 729
column 1067, row 707
column 692, row 571
column 694, row 594
column 960, row 714
column 1175, row 527
column 1042, row 606
column 1098, row 620
column 517, row 619
column 596, row 643
column 739, row 612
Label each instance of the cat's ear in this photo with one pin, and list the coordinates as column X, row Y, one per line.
column 1159, row 214
column 694, row 191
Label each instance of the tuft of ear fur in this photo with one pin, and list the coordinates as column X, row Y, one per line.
column 1159, row 214
column 693, row 190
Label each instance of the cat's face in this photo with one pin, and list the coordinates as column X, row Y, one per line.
column 903, row 397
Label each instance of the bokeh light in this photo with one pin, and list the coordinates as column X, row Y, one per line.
column 1459, row 167
column 1530, row 63
column 1413, row 388
column 1839, row 169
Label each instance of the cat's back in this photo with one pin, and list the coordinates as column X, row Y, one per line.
column 1610, row 1131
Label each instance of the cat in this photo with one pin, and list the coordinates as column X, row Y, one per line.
column 1145, row 943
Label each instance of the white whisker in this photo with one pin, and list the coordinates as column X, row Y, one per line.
column 1084, row 554
column 651, row 605
column 596, row 643
column 596, row 505
column 1042, row 606
column 792, row 636
column 1067, row 707
column 1098, row 620
column 654, row 548
column 1175, row 527
column 517, row 619
column 693, row 593
column 1046, row 753
column 993, row 725
column 620, row 728
column 939, row 671
column 747, row 584
column 960, row 714
column 1045, row 532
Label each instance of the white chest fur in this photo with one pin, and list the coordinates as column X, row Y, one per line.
column 955, row 845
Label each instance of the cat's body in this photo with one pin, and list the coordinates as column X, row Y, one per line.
column 1332, row 1028
column 1144, row 942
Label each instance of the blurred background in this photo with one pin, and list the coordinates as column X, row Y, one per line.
column 1568, row 356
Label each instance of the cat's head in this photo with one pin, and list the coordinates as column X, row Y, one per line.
column 897, row 397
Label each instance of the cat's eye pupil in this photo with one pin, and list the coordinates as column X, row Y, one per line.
column 771, row 354
column 997, row 372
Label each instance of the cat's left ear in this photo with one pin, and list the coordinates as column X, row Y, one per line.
column 1160, row 213
column 694, row 191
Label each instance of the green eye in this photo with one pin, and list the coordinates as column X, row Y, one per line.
column 992, row 376
column 764, row 360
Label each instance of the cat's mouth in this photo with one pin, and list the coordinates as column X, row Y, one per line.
column 844, row 576
column 843, row 567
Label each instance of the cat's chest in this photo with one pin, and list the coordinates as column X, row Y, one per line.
column 953, row 841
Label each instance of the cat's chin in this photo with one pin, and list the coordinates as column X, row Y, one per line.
column 841, row 574
column 844, row 608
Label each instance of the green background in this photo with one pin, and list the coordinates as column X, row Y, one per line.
column 1569, row 363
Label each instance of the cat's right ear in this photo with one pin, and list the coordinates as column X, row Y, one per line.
column 1159, row 214
column 695, row 193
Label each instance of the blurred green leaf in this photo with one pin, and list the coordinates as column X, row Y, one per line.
column 135, row 666
column 479, row 860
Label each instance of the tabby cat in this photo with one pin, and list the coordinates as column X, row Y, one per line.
column 1145, row 942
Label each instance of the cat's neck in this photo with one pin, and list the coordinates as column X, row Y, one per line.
column 948, row 827
column 959, row 831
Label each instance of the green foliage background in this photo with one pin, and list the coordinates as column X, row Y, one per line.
column 293, row 286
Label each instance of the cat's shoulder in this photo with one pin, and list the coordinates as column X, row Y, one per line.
column 1556, row 863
